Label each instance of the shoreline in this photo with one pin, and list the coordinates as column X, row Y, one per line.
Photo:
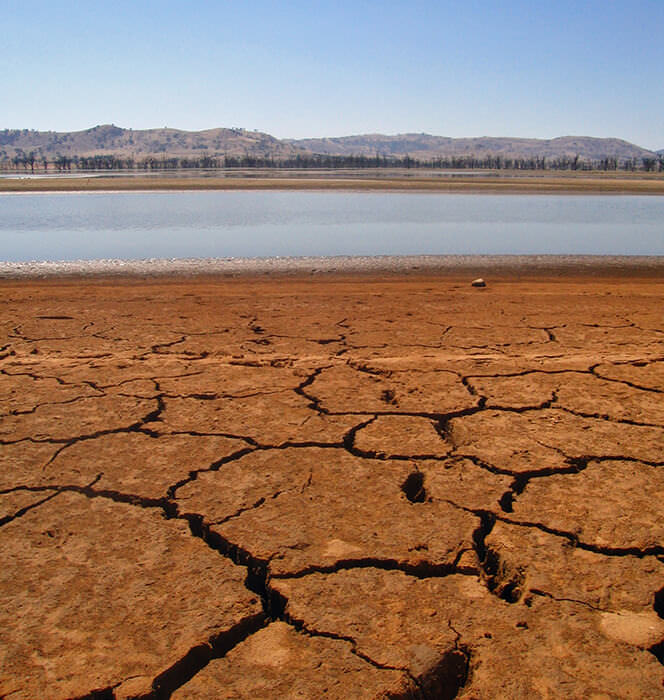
column 462, row 266
column 489, row 184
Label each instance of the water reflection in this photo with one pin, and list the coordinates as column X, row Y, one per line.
column 260, row 224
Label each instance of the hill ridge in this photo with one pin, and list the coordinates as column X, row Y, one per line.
column 112, row 140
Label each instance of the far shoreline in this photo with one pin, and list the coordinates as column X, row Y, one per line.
column 473, row 183
column 506, row 267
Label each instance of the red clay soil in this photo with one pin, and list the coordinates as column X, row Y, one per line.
column 342, row 487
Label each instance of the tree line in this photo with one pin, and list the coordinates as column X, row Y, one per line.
column 35, row 162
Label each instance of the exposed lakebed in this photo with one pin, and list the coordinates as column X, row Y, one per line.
column 332, row 487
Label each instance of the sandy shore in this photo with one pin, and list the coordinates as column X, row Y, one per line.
column 517, row 183
column 359, row 485
column 510, row 267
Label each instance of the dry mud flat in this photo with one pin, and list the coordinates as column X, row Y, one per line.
column 340, row 487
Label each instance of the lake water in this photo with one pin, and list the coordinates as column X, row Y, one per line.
column 217, row 224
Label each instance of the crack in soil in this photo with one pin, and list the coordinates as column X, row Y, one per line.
column 257, row 581
column 421, row 570
column 251, row 340
column 198, row 657
column 22, row 511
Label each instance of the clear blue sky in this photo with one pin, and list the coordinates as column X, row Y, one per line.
column 539, row 68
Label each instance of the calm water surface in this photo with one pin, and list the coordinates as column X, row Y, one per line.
column 141, row 225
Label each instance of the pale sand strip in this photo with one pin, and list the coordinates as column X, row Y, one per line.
column 623, row 183
column 527, row 265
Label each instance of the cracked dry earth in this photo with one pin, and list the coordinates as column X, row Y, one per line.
column 344, row 488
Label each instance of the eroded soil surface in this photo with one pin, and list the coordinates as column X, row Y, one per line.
column 340, row 487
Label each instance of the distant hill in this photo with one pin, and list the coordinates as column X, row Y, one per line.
column 426, row 146
column 193, row 147
column 108, row 139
